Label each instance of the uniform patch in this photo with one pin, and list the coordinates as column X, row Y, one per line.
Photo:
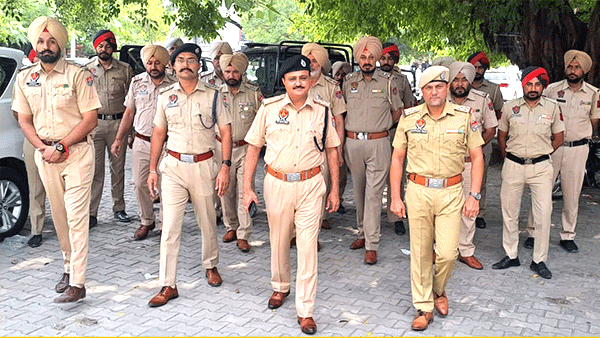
column 420, row 124
column 491, row 106
column 585, row 103
column 338, row 94
column 34, row 80
column 225, row 103
column 211, row 81
column 172, row 101
column 561, row 94
column 143, row 90
column 354, row 86
column 395, row 91
column 516, row 111
column 93, row 71
column 260, row 98
column 283, row 116
column 333, row 121
column 89, row 80
column 474, row 125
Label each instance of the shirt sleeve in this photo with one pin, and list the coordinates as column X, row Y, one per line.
column 474, row 138
column 498, row 99
column 223, row 115
column 20, row 103
column 595, row 114
column 129, row 98
column 256, row 133
column 503, row 123
column 557, row 120
column 407, row 96
column 160, row 119
column 394, row 94
column 400, row 139
column 332, row 139
column 87, row 96
column 337, row 104
column 488, row 113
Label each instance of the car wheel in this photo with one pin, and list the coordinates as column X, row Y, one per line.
column 14, row 201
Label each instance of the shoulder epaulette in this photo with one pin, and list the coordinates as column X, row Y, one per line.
column 412, row 110
column 252, row 85
column 210, row 85
column 273, row 99
column 550, row 99
column 592, row 87
column 318, row 99
column 138, row 77
column 385, row 74
column 330, row 80
column 463, row 109
column 26, row 67
column 167, row 88
column 350, row 75
column 479, row 93
column 73, row 63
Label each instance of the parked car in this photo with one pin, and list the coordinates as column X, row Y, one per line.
column 14, row 191
column 509, row 80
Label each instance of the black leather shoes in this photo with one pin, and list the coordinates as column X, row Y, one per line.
column 399, row 228
column 341, row 210
column 93, row 221
column 121, row 216
column 541, row 269
column 506, row 263
column 528, row 244
column 36, row 240
column 480, row 223
column 567, row 245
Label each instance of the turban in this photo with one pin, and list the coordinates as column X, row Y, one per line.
column 345, row 66
column 53, row 26
column 370, row 43
column 392, row 49
column 583, row 58
column 158, row 51
column 434, row 74
column 217, row 47
column 105, row 35
column 327, row 67
column 31, row 53
column 479, row 57
column 445, row 61
column 318, row 51
column 294, row 64
column 173, row 42
column 530, row 72
column 238, row 60
column 187, row 48
column 467, row 69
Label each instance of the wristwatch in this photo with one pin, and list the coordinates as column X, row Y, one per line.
column 60, row 147
column 227, row 163
column 475, row 195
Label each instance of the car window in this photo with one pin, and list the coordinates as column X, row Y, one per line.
column 7, row 69
column 496, row 77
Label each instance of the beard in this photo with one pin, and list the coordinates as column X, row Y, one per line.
column 156, row 74
column 532, row 96
column 104, row 56
column 46, row 56
column 478, row 76
column 460, row 92
column 233, row 82
column 387, row 68
column 572, row 78
column 368, row 71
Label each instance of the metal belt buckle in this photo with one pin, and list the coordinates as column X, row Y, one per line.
column 362, row 136
column 187, row 158
column 435, row 183
column 293, row 177
column 568, row 144
column 528, row 161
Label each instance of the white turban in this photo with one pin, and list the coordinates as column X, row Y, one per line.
column 217, row 47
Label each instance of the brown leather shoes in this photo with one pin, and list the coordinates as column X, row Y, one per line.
column 243, row 245
column 230, row 236
column 422, row 320
column 277, row 299
column 325, row 225
column 472, row 262
column 371, row 257
column 307, row 325
column 143, row 230
column 440, row 303
column 293, row 242
column 63, row 283
column 357, row 244
column 213, row 277
column 165, row 295
column 71, row 295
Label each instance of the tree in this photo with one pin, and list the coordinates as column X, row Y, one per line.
column 271, row 25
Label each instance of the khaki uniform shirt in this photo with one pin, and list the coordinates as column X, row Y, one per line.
column 370, row 104
column 289, row 133
column 329, row 90
column 529, row 130
column 242, row 108
column 188, row 118
column 112, row 84
column 212, row 78
column 482, row 109
column 577, row 108
column 493, row 90
column 436, row 148
column 55, row 99
column 142, row 98
column 404, row 88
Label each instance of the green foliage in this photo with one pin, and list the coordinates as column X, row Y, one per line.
column 271, row 23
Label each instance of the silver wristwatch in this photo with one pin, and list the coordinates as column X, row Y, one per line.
column 475, row 195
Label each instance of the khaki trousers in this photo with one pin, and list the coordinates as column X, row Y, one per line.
column 140, row 169
column 68, row 185
column 432, row 214
column 570, row 163
column 466, row 247
column 343, row 180
column 235, row 216
column 295, row 206
column 539, row 179
column 104, row 135
column 37, row 194
column 369, row 165
column 180, row 183
column 487, row 155
column 391, row 217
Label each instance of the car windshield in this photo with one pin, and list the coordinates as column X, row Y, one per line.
column 496, row 77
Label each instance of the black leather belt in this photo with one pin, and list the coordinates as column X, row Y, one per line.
column 117, row 116
column 577, row 143
column 527, row 160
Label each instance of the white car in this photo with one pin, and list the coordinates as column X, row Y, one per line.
column 14, row 191
column 509, row 80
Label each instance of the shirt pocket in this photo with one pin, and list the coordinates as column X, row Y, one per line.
column 202, row 118
column 34, row 98
column 247, row 112
column 454, row 141
column 278, row 135
column 116, row 87
column 64, row 98
column 543, row 125
column 174, row 117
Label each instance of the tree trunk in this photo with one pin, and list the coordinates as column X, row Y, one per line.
column 592, row 46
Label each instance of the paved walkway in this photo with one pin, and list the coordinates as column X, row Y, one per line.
column 353, row 299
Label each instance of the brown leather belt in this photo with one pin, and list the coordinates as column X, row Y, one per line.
column 436, row 183
column 191, row 158
column 49, row 143
column 235, row 143
column 143, row 137
column 294, row 177
column 367, row 136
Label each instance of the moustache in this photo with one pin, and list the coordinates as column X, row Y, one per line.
column 299, row 87
column 46, row 51
column 186, row 69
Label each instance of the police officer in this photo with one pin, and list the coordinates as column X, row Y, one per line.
column 327, row 89
column 388, row 61
column 373, row 104
column 171, row 45
column 241, row 99
column 57, row 105
column 140, row 110
column 112, row 79
column 461, row 93
column 216, row 77
column 339, row 70
column 580, row 106
column 530, row 129
column 435, row 137
column 293, row 125
column 482, row 63
column 187, row 115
